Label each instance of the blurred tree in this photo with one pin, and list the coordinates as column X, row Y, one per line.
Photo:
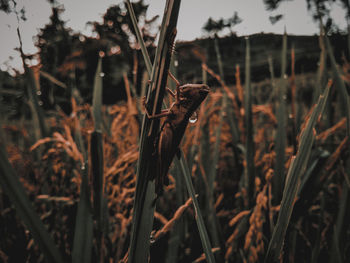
column 233, row 21
column 213, row 27
column 317, row 8
column 72, row 57
column 54, row 42
column 10, row 6
column 275, row 19
column 12, row 89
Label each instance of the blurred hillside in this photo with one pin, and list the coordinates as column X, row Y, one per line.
column 232, row 49
column 68, row 60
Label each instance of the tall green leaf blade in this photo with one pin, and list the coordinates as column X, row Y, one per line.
column 83, row 233
column 344, row 96
column 139, row 37
column 211, row 175
column 280, row 140
column 15, row 191
column 341, row 226
column 218, row 57
column 97, row 97
column 96, row 153
column 145, row 192
column 296, row 169
column 144, row 195
column 199, row 218
column 250, row 168
column 33, row 87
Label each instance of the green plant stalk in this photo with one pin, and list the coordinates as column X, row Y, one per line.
column 272, row 76
column 321, row 70
column 146, row 187
column 249, row 154
column 144, row 196
column 13, row 188
column 344, row 96
column 212, row 220
column 177, row 236
column 96, row 153
column 296, row 170
column 218, row 57
column 32, row 88
column 83, row 232
column 337, row 251
column 280, row 140
column 97, row 97
column 139, row 37
column 317, row 247
column 198, row 215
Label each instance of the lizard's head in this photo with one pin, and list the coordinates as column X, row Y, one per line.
column 192, row 95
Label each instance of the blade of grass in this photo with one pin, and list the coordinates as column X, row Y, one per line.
column 144, row 196
column 273, row 81
column 249, row 154
column 198, row 215
column 340, row 227
column 13, row 188
column 96, row 156
column 211, row 213
column 139, row 37
column 218, row 57
column 177, row 236
column 97, row 97
column 344, row 96
column 280, row 139
column 321, row 66
column 296, row 170
column 143, row 228
column 83, row 232
column 32, row 88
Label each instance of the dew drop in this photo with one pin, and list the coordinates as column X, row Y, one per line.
column 40, row 103
column 82, row 166
column 193, row 118
column 102, row 74
column 38, row 93
column 101, row 54
column 152, row 238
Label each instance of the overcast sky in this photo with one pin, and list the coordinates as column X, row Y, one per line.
column 193, row 15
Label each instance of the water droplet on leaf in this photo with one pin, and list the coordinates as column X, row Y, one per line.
column 102, row 74
column 193, row 118
column 101, row 54
column 152, row 238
